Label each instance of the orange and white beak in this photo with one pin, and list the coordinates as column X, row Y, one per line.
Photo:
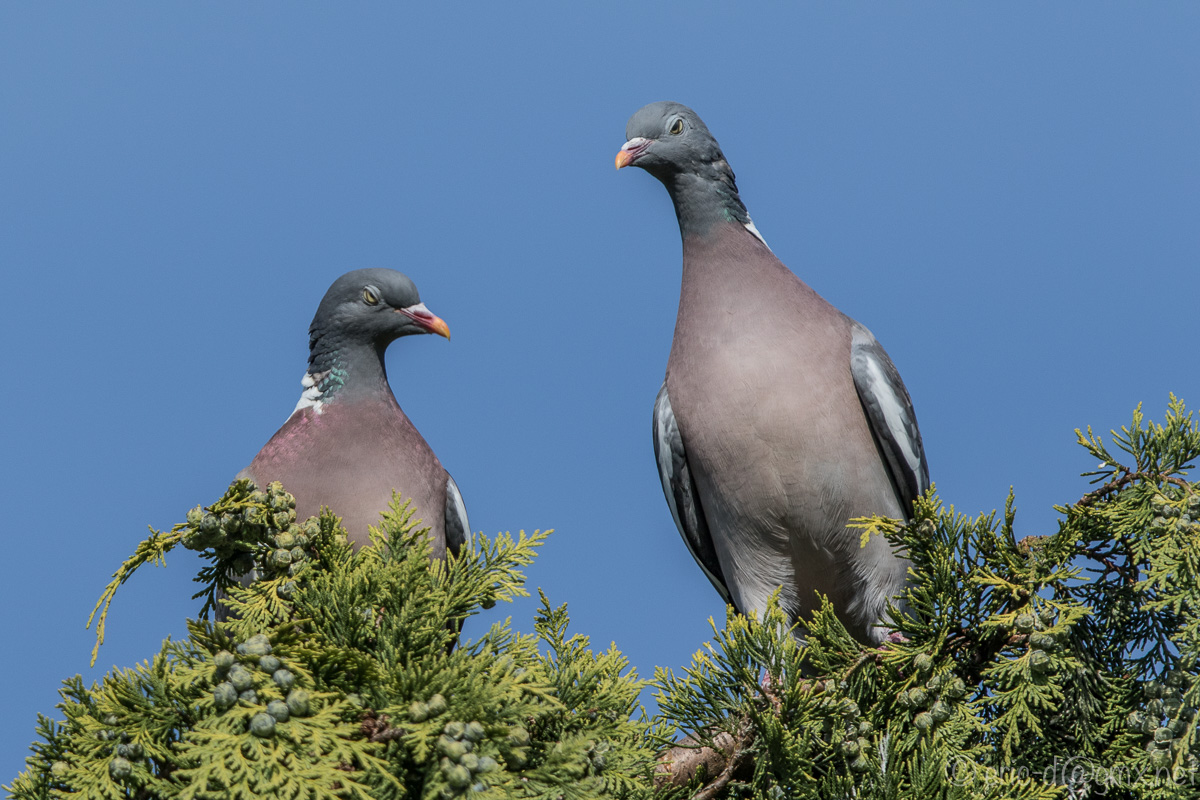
column 630, row 151
column 426, row 319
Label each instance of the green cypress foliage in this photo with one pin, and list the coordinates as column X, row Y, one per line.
column 1062, row 665
column 1055, row 666
column 336, row 678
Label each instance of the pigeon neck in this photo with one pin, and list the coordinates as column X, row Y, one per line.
column 705, row 199
column 339, row 371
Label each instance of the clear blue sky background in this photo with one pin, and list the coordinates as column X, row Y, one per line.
column 1007, row 196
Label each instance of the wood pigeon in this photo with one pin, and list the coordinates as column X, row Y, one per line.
column 347, row 444
column 780, row 417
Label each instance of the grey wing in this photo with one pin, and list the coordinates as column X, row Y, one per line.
column 457, row 527
column 890, row 414
column 681, row 493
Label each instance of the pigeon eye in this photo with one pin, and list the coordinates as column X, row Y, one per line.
column 370, row 298
column 676, row 127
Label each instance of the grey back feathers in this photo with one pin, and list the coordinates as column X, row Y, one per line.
column 780, row 418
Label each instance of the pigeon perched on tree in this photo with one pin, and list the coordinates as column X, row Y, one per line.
column 348, row 444
column 780, row 418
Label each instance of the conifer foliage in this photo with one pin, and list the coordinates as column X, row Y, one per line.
column 1062, row 665
column 336, row 677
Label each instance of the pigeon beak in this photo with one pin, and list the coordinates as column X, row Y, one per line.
column 426, row 319
column 630, row 151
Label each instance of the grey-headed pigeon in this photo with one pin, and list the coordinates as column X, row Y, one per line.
column 347, row 444
column 780, row 417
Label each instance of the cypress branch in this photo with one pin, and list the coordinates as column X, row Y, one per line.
column 1055, row 666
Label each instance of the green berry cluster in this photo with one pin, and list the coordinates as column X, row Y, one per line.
column 1035, row 628
column 932, row 703
column 1164, row 719
column 247, row 518
column 241, row 676
column 1182, row 513
column 291, row 552
column 263, row 518
column 597, row 755
column 855, row 729
column 125, row 753
column 419, row 712
column 461, row 764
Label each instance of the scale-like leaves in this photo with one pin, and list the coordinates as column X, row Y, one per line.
column 1063, row 665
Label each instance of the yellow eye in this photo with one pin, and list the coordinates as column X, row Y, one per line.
column 676, row 127
column 370, row 298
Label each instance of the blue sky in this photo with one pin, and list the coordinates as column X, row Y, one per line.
column 1007, row 196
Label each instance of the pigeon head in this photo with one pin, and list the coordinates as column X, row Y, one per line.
column 673, row 144
column 666, row 138
column 375, row 306
column 362, row 313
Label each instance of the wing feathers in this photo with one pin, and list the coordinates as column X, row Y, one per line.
column 681, row 493
column 890, row 414
column 457, row 526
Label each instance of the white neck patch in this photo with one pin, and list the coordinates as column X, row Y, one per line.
column 311, row 396
column 750, row 227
